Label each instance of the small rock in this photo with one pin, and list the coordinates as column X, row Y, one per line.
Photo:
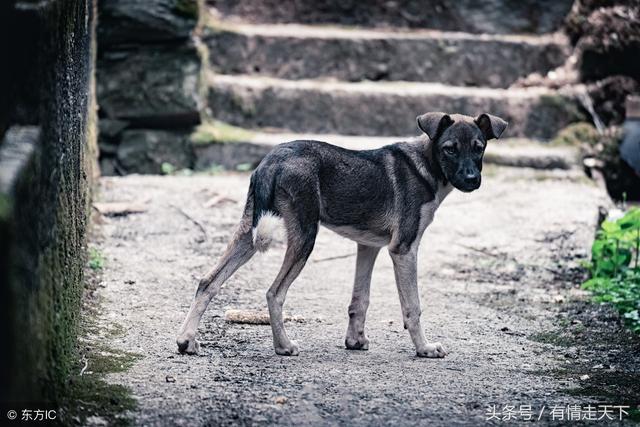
column 280, row 400
column 584, row 377
column 94, row 420
column 599, row 366
column 170, row 379
column 504, row 329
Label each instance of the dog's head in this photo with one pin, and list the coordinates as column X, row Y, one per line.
column 458, row 144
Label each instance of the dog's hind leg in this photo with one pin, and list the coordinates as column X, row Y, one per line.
column 300, row 243
column 356, row 338
column 238, row 252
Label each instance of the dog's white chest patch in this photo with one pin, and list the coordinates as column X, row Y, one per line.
column 428, row 210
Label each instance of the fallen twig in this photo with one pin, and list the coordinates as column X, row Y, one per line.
column 119, row 208
column 255, row 317
column 331, row 258
column 483, row 251
column 192, row 219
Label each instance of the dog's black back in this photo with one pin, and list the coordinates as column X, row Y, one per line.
column 372, row 190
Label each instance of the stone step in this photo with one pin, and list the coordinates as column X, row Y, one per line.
column 305, row 52
column 488, row 16
column 238, row 147
column 380, row 108
column 149, row 87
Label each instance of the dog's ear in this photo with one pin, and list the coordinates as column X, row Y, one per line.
column 434, row 124
column 491, row 126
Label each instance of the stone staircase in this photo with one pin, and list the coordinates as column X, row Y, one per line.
column 273, row 79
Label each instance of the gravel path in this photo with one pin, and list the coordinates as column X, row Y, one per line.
column 494, row 267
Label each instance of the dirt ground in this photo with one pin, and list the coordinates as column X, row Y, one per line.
column 499, row 273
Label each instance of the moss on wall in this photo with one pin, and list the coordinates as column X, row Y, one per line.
column 43, row 232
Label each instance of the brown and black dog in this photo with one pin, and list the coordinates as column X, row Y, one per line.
column 383, row 197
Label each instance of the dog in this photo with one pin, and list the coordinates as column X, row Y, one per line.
column 382, row 197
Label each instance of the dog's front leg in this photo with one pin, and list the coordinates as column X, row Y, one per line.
column 356, row 338
column 406, row 272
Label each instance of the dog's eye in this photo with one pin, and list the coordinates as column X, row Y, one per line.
column 478, row 148
column 450, row 149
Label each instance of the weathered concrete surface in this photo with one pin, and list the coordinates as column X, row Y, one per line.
column 493, row 267
column 379, row 108
column 490, row 16
column 252, row 149
column 303, row 52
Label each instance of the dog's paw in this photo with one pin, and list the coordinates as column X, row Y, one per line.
column 434, row 350
column 188, row 345
column 357, row 343
column 288, row 350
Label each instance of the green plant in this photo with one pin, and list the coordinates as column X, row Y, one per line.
column 614, row 267
column 244, row 167
column 214, row 169
column 576, row 134
column 96, row 259
column 216, row 131
column 167, row 168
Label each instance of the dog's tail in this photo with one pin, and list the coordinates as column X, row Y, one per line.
column 267, row 225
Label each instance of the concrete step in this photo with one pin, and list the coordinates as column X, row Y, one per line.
column 380, row 108
column 222, row 145
column 305, row 52
column 487, row 16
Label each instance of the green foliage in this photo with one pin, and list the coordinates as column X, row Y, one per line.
column 219, row 132
column 5, row 206
column 244, row 167
column 576, row 134
column 614, row 268
column 187, row 8
column 215, row 170
column 167, row 168
column 96, row 259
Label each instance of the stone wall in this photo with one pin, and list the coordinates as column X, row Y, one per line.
column 606, row 35
column 473, row 16
column 47, row 166
column 148, row 73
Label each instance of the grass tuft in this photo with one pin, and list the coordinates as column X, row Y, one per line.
column 615, row 266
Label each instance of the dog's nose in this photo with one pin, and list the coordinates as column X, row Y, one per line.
column 471, row 178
